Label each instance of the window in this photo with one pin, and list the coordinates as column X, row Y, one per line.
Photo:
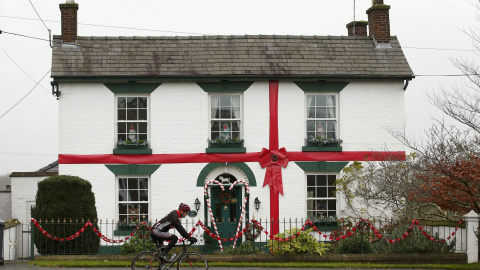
column 322, row 116
column 133, row 199
column 225, row 117
column 132, row 118
column 321, row 196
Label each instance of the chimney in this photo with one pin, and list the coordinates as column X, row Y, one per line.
column 69, row 21
column 379, row 22
column 357, row 28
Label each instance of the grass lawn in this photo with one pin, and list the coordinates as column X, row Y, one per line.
column 353, row 265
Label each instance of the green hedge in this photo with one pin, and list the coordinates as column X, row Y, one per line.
column 69, row 202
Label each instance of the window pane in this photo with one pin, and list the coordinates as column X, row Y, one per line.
column 331, row 180
column 235, row 135
column 122, row 208
column 331, row 101
column 131, row 114
column 225, row 112
column 225, row 101
column 214, row 135
column 142, row 127
column 321, row 192
column 122, row 183
column 310, row 180
column 132, row 183
column 310, row 205
column 311, row 126
column 142, row 102
column 321, row 180
column 144, row 208
column 142, row 114
column 235, row 125
column 143, row 195
column 143, row 183
column 320, row 100
column 132, row 102
column 332, row 205
column 121, row 114
column 133, row 195
column 310, row 192
column 332, row 192
column 121, row 102
column 310, row 112
column 122, row 195
column 321, row 113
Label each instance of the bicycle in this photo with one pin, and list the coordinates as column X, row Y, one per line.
column 184, row 260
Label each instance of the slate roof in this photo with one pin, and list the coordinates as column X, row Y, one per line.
column 247, row 56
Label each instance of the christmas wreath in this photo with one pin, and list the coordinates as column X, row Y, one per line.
column 225, row 197
column 249, row 232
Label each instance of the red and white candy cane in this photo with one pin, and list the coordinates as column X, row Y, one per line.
column 247, row 191
column 205, row 191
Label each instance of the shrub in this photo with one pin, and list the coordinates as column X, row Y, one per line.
column 244, row 248
column 356, row 243
column 415, row 242
column 62, row 199
column 140, row 241
column 304, row 243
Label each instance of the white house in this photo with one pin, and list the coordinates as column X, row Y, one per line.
column 170, row 95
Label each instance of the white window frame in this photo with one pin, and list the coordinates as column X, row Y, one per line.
column 118, row 202
column 336, row 118
column 132, row 121
column 237, row 118
column 312, row 202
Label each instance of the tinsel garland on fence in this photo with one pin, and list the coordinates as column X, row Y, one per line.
column 256, row 224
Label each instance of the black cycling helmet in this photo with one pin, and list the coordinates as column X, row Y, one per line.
column 184, row 207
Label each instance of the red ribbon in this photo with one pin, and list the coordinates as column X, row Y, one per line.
column 274, row 161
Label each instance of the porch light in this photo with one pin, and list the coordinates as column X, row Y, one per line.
column 197, row 204
column 257, row 203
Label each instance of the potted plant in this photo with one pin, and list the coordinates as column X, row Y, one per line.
column 222, row 142
column 321, row 141
column 132, row 144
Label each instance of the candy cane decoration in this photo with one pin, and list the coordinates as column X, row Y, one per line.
column 205, row 190
column 247, row 191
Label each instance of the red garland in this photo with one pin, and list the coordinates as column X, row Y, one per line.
column 258, row 226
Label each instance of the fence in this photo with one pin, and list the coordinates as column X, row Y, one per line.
column 339, row 236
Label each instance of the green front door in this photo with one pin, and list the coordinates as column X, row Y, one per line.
column 226, row 207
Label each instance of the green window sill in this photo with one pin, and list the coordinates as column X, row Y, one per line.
column 226, row 150
column 321, row 149
column 132, row 151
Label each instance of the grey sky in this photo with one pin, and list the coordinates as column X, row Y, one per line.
column 28, row 133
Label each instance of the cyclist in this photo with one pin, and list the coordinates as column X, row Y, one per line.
column 172, row 220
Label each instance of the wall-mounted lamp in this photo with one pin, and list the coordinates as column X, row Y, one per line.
column 55, row 91
column 257, row 203
column 197, row 204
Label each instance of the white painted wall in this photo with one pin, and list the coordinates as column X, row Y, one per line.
column 179, row 124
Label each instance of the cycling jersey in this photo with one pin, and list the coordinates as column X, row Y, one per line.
column 170, row 221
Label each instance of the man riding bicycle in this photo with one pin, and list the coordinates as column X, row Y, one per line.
column 172, row 220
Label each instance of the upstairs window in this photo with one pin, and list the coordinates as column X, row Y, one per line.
column 132, row 118
column 322, row 116
column 225, row 117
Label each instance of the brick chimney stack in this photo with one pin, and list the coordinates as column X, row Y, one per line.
column 69, row 21
column 357, row 28
column 379, row 22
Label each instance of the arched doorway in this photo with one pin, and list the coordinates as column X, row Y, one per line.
column 226, row 205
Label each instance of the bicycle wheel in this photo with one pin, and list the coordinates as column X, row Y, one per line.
column 192, row 261
column 146, row 260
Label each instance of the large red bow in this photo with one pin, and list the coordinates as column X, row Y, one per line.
column 274, row 160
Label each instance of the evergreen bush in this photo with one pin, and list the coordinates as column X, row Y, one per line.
column 415, row 242
column 64, row 204
column 140, row 241
column 244, row 248
column 304, row 243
